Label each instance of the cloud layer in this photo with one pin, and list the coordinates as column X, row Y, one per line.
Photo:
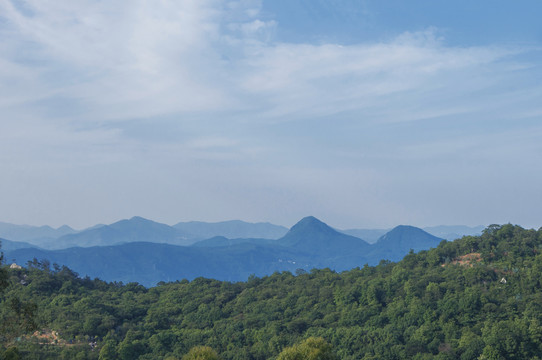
column 193, row 110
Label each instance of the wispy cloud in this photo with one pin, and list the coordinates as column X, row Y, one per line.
column 85, row 82
column 114, row 60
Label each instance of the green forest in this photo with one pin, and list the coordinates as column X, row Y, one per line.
column 473, row 298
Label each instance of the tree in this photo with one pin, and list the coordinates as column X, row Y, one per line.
column 12, row 353
column 201, row 353
column 3, row 271
column 313, row 348
column 108, row 351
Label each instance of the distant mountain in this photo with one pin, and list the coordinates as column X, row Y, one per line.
column 452, row 232
column 398, row 242
column 149, row 263
column 313, row 236
column 314, row 244
column 231, row 229
column 136, row 229
column 32, row 233
column 8, row 245
column 220, row 241
column 308, row 244
column 369, row 235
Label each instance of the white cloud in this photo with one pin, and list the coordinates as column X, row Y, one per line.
column 121, row 60
column 73, row 75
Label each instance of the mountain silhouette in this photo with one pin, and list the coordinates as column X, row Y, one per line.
column 400, row 240
column 314, row 236
column 136, row 229
column 307, row 245
column 233, row 229
column 32, row 234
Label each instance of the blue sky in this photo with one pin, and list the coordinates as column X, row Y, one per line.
column 362, row 113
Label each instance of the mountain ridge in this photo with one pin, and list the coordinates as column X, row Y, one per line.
column 232, row 229
column 309, row 244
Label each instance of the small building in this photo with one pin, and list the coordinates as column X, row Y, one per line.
column 15, row 266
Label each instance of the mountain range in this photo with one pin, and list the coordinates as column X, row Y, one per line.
column 137, row 229
column 231, row 229
column 32, row 233
column 182, row 233
column 165, row 256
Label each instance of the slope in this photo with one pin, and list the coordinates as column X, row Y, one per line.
column 231, row 229
column 430, row 305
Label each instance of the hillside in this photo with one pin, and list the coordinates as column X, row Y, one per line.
column 477, row 297
column 369, row 235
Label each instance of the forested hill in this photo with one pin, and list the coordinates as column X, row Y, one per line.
column 476, row 297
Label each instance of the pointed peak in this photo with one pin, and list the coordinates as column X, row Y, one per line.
column 65, row 228
column 312, row 234
column 406, row 232
column 133, row 221
column 310, row 222
column 311, row 218
column 405, row 228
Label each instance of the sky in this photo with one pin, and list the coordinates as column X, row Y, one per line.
column 363, row 113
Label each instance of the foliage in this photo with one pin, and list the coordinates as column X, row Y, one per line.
column 3, row 271
column 312, row 348
column 437, row 304
column 201, row 353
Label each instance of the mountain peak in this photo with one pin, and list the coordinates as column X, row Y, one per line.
column 408, row 237
column 139, row 219
column 311, row 234
column 403, row 228
column 65, row 228
column 312, row 224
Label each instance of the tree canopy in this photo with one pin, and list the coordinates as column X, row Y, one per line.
column 476, row 297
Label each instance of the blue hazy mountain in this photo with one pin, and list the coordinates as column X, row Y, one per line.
column 221, row 241
column 447, row 232
column 369, row 235
column 136, row 229
column 308, row 244
column 315, row 245
column 8, row 245
column 313, row 236
column 398, row 242
column 149, row 263
column 233, row 229
column 33, row 234
column 452, row 232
